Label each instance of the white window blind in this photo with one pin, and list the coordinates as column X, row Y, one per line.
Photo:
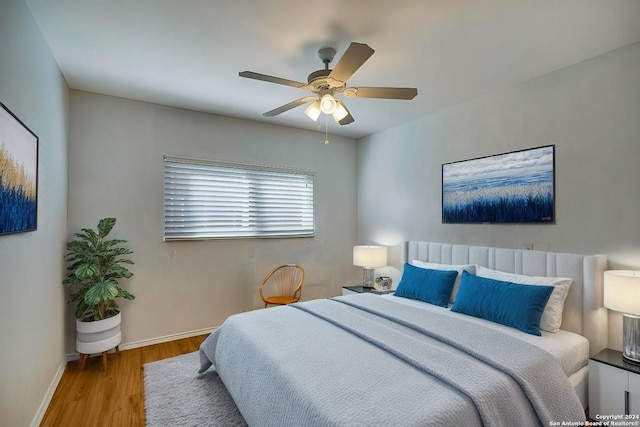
column 207, row 199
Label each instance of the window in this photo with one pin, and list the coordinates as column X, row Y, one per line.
column 206, row 199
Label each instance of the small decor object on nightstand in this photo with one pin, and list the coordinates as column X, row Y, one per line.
column 622, row 294
column 369, row 257
column 383, row 283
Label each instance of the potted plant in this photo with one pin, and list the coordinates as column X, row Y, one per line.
column 94, row 266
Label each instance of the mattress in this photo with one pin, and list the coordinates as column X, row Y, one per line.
column 570, row 349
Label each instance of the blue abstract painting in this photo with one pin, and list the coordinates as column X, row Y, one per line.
column 515, row 187
column 18, row 175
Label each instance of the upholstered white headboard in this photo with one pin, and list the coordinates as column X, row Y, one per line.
column 583, row 313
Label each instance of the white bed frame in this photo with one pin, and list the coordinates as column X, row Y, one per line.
column 583, row 313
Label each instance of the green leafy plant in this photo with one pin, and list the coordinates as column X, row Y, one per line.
column 94, row 266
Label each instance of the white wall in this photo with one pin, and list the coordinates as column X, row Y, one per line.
column 116, row 169
column 32, row 304
column 590, row 111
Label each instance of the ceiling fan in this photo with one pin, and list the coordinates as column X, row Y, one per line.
column 326, row 83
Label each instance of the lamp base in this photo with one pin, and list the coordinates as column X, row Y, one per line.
column 367, row 277
column 631, row 338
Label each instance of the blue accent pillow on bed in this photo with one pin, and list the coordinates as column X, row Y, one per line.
column 432, row 286
column 511, row 304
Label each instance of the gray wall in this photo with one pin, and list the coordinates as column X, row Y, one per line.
column 590, row 111
column 32, row 304
column 116, row 169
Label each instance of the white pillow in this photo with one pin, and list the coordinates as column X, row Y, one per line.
column 471, row 268
column 552, row 314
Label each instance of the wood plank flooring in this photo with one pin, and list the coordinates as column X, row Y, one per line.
column 93, row 397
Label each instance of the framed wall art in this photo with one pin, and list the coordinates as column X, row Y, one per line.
column 514, row 187
column 18, row 175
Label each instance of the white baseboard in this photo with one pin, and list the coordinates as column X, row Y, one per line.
column 37, row 419
column 167, row 338
column 152, row 341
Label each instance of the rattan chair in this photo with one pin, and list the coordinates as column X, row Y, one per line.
column 283, row 285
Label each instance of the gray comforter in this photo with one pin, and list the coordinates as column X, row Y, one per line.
column 366, row 360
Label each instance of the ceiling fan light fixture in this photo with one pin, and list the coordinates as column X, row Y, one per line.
column 313, row 111
column 340, row 112
column 328, row 104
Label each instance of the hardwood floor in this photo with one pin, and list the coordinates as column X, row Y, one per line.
column 93, row 397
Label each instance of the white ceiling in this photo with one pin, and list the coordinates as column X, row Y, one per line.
column 188, row 53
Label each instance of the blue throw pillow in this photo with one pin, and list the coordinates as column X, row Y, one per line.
column 432, row 286
column 511, row 304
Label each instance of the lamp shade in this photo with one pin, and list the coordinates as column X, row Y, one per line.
column 313, row 111
column 622, row 291
column 328, row 104
column 370, row 256
column 340, row 112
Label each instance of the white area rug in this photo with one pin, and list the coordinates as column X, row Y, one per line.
column 175, row 395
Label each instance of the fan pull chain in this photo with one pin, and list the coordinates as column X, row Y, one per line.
column 326, row 129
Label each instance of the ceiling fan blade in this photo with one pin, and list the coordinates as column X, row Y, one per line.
column 381, row 92
column 352, row 59
column 348, row 118
column 289, row 106
column 277, row 80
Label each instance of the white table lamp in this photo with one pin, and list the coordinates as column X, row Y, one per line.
column 622, row 294
column 369, row 257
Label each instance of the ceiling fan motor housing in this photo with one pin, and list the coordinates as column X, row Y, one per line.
column 319, row 78
column 320, row 74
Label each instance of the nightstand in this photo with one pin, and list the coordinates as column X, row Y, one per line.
column 614, row 385
column 348, row 290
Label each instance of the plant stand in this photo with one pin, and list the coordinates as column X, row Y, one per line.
column 84, row 357
column 98, row 336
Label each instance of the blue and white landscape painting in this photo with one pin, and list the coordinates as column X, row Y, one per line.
column 514, row 187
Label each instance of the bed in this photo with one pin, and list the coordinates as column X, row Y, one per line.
column 389, row 360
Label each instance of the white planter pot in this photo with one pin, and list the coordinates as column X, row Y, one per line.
column 98, row 336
